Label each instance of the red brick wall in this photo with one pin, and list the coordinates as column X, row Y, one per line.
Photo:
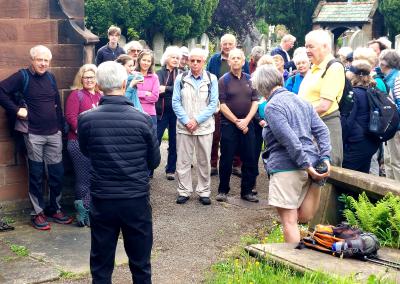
column 23, row 24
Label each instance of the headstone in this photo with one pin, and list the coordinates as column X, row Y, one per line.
column 358, row 39
column 191, row 43
column 264, row 42
column 122, row 41
column 247, row 45
column 204, row 41
column 332, row 39
column 158, row 46
column 144, row 44
column 397, row 43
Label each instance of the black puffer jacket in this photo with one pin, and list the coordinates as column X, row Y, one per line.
column 167, row 79
column 122, row 147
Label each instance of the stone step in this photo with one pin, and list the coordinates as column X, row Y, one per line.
column 310, row 260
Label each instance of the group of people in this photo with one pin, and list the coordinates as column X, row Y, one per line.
column 222, row 111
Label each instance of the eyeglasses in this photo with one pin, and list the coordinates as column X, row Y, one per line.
column 135, row 50
column 88, row 78
column 195, row 60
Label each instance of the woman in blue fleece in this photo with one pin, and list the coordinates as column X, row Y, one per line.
column 289, row 135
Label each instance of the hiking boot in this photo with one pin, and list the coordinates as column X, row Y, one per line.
column 39, row 222
column 221, row 197
column 214, row 171
column 236, row 171
column 205, row 200
column 61, row 218
column 170, row 176
column 182, row 199
column 80, row 213
column 250, row 198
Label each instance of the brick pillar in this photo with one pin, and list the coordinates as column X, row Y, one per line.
column 58, row 24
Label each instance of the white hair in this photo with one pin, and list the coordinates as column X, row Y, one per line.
column 265, row 78
column 300, row 55
column 344, row 51
column 169, row 51
column 132, row 44
column 228, row 37
column 110, row 76
column 40, row 49
column 320, row 36
column 198, row 52
column 287, row 38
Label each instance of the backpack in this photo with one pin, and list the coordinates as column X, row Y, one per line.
column 341, row 241
column 184, row 74
column 384, row 117
column 346, row 102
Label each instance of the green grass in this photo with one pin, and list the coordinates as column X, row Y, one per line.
column 71, row 275
column 241, row 268
column 19, row 250
column 8, row 220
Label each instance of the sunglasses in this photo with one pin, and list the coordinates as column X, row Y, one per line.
column 195, row 60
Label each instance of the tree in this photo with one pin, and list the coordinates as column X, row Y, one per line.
column 176, row 19
column 390, row 10
column 296, row 15
column 233, row 16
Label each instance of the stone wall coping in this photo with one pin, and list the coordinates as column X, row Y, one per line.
column 364, row 182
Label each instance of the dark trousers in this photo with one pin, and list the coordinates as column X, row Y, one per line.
column 258, row 142
column 168, row 121
column 215, row 145
column 132, row 217
column 234, row 141
column 357, row 156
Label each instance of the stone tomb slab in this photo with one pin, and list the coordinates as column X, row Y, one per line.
column 23, row 269
column 64, row 247
column 307, row 259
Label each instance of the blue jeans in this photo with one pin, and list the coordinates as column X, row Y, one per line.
column 168, row 120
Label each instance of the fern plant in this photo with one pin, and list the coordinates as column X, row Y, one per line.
column 381, row 218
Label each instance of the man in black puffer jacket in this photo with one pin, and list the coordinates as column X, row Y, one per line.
column 122, row 148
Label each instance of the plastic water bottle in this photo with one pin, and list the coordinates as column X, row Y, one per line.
column 339, row 246
column 374, row 121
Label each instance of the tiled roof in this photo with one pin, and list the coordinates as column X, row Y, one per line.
column 344, row 12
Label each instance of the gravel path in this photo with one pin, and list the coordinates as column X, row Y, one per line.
column 189, row 238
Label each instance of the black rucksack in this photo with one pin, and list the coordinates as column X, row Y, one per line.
column 384, row 117
column 346, row 102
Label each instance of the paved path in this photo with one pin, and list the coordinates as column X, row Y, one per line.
column 188, row 238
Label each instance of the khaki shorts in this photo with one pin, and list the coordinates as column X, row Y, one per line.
column 288, row 189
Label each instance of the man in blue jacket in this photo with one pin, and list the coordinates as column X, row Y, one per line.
column 218, row 65
column 287, row 43
column 122, row 148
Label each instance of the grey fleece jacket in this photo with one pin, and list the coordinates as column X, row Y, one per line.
column 295, row 136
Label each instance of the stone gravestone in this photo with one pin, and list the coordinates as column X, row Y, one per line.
column 204, row 41
column 247, row 45
column 358, row 39
column 332, row 39
column 191, row 43
column 158, row 46
column 397, row 43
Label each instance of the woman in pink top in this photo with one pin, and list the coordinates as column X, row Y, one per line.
column 85, row 96
column 148, row 90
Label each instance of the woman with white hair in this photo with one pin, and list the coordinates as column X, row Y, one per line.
column 302, row 63
column 292, row 155
column 166, row 118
